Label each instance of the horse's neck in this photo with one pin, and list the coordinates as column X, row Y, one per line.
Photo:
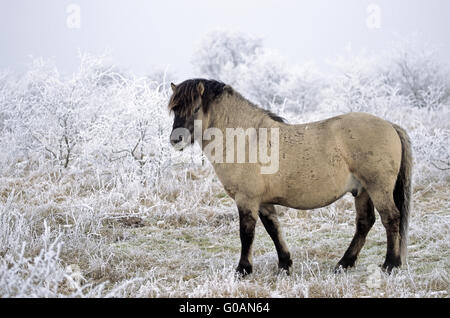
column 235, row 112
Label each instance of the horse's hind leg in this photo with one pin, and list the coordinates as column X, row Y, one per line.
column 390, row 217
column 268, row 217
column 365, row 218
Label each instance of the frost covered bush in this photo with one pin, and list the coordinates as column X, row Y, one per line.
column 98, row 117
column 49, row 113
column 418, row 73
column 133, row 132
column 223, row 50
column 261, row 74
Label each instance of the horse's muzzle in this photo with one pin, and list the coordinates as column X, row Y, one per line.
column 180, row 138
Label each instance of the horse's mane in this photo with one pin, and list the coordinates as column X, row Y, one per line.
column 187, row 93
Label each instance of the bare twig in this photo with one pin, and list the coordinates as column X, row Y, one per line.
column 442, row 169
column 45, row 147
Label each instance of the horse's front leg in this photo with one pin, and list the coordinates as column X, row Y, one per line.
column 247, row 222
column 268, row 216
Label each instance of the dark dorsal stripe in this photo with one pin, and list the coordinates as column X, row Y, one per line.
column 273, row 116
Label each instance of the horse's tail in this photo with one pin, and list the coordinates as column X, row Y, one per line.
column 402, row 190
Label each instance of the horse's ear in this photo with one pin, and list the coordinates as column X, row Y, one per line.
column 200, row 88
column 173, row 86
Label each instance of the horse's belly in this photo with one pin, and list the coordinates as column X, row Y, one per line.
column 309, row 200
column 316, row 193
column 312, row 200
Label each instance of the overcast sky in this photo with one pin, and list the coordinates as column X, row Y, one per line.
column 143, row 34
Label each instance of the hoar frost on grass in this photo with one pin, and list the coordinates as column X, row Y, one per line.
column 95, row 203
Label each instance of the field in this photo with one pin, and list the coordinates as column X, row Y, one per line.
column 95, row 203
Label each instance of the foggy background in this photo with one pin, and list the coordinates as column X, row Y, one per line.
column 143, row 35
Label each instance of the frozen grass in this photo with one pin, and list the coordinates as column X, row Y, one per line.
column 61, row 239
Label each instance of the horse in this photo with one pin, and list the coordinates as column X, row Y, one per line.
column 319, row 162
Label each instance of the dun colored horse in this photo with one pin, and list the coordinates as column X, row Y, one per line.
column 319, row 162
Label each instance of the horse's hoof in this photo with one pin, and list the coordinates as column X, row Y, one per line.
column 339, row 269
column 343, row 265
column 244, row 269
column 390, row 263
column 285, row 266
column 389, row 267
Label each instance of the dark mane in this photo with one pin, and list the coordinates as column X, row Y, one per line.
column 186, row 97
